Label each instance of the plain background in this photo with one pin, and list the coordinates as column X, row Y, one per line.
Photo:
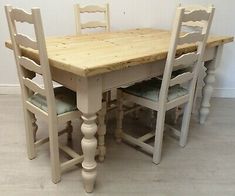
column 58, row 19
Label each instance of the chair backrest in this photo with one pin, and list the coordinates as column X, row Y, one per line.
column 193, row 25
column 27, row 68
column 199, row 20
column 91, row 24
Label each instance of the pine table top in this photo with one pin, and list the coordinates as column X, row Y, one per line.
column 89, row 55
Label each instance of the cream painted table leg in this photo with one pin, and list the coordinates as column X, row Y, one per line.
column 208, row 88
column 101, row 132
column 89, row 102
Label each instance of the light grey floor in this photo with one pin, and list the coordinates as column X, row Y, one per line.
column 206, row 166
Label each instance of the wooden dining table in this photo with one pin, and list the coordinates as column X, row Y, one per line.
column 96, row 63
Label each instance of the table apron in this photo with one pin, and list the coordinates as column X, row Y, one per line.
column 122, row 77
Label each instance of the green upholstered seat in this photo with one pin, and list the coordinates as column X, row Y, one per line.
column 65, row 100
column 150, row 89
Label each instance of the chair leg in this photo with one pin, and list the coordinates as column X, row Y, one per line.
column 109, row 98
column 194, row 110
column 102, row 131
column 30, row 134
column 69, row 128
column 157, row 151
column 136, row 112
column 118, row 131
column 185, row 123
column 35, row 127
column 177, row 114
column 54, row 152
column 153, row 119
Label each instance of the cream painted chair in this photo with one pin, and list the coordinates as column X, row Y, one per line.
column 197, row 27
column 168, row 93
column 105, row 24
column 55, row 105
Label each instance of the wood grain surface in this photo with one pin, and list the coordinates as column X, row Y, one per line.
column 89, row 55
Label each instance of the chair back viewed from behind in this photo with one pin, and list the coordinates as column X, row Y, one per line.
column 105, row 24
column 198, row 20
column 194, row 25
column 176, row 87
column 27, row 68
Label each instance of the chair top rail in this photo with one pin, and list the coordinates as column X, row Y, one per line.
column 30, row 65
column 20, row 15
column 92, row 9
column 26, row 41
column 196, row 15
column 192, row 7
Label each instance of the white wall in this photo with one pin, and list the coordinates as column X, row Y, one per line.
column 58, row 19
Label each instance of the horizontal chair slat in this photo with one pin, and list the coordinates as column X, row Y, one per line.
column 193, row 24
column 135, row 141
column 190, row 38
column 93, row 24
column 30, row 65
column 92, row 9
column 68, row 164
column 186, row 59
column 182, row 78
column 69, row 151
column 34, row 87
column 146, row 136
column 20, row 15
column 25, row 41
column 45, row 140
column 196, row 15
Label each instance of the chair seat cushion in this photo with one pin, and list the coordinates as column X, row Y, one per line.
column 65, row 100
column 150, row 90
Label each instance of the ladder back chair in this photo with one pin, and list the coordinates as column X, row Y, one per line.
column 105, row 24
column 190, row 26
column 170, row 92
column 55, row 105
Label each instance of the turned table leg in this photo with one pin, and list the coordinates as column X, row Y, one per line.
column 120, row 114
column 208, row 88
column 89, row 144
column 89, row 102
column 69, row 128
column 207, row 92
column 101, row 132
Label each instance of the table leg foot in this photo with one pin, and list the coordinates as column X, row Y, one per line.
column 89, row 180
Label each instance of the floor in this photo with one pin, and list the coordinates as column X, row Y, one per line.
column 206, row 166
